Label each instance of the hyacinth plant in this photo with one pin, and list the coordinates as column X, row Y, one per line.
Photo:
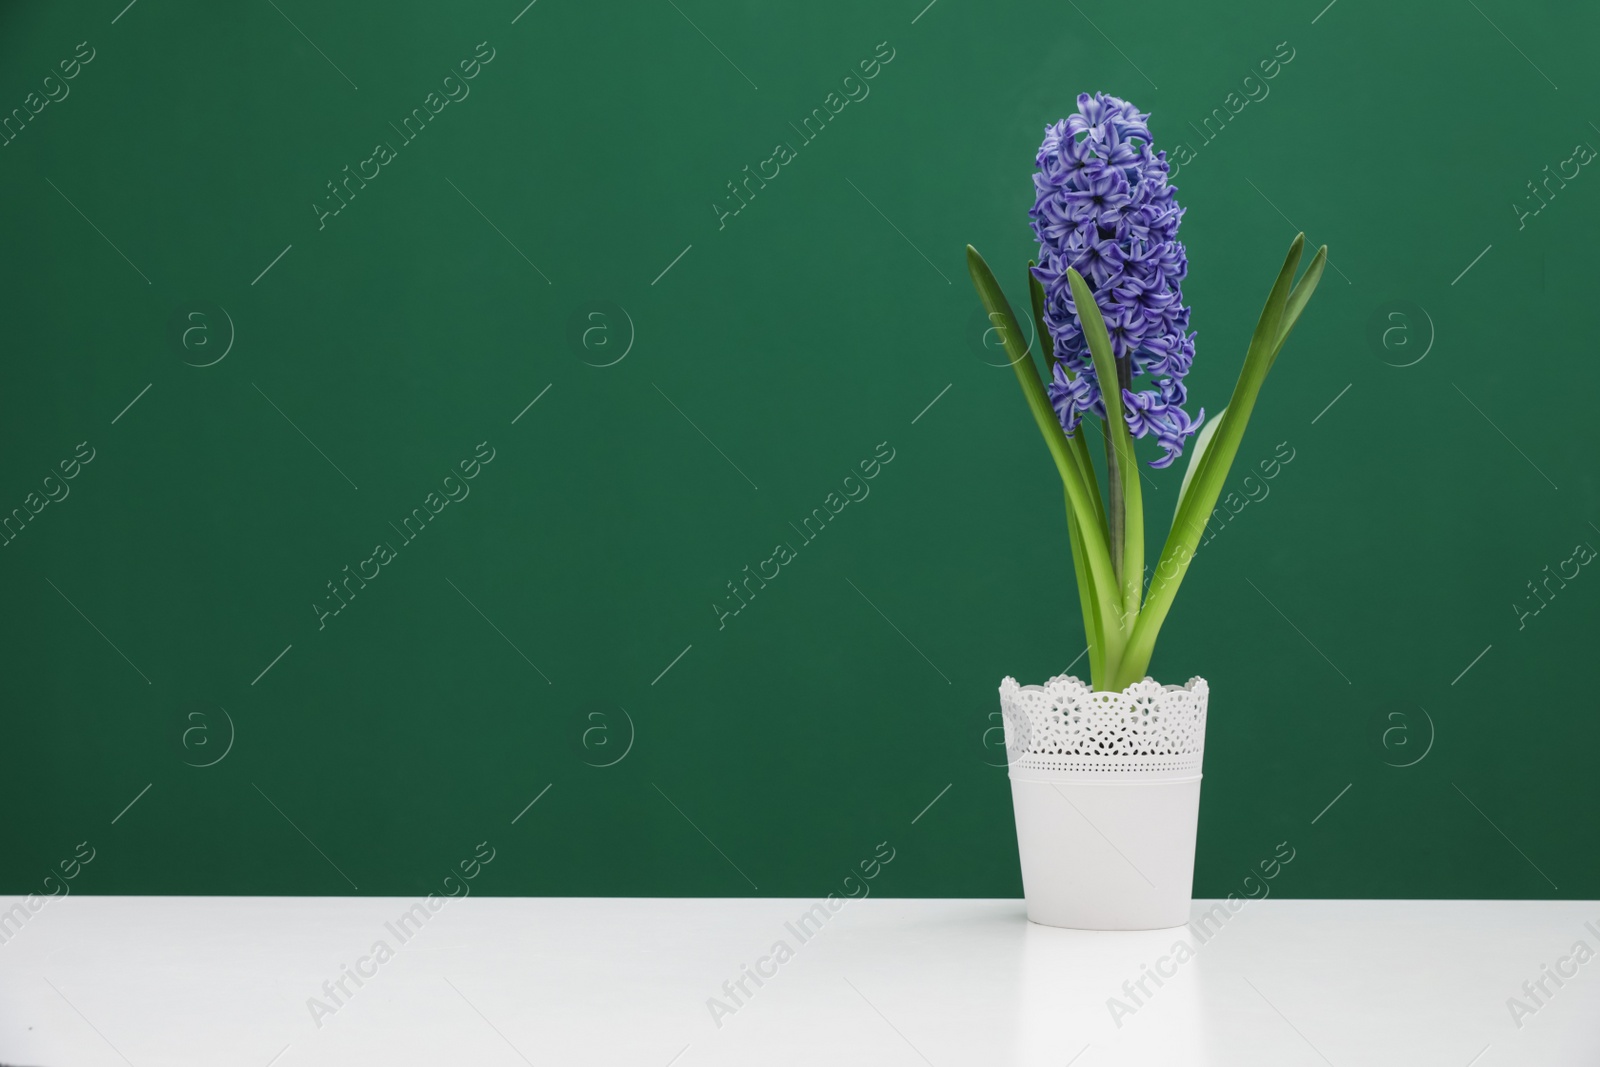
column 1108, row 308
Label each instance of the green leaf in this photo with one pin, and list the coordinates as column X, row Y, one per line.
column 1125, row 465
column 1202, row 441
column 1213, row 467
column 1264, row 344
column 1101, row 581
column 1300, row 297
column 1093, row 628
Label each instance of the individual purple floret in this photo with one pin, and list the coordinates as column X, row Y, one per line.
column 1104, row 208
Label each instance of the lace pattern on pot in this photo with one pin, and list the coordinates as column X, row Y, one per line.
column 1065, row 726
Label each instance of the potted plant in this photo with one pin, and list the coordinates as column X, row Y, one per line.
column 1105, row 776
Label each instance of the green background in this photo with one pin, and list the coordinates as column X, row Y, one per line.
column 776, row 352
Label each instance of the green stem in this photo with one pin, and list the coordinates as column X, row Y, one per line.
column 1116, row 518
column 1093, row 632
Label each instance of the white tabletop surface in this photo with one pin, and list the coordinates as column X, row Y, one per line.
column 147, row 981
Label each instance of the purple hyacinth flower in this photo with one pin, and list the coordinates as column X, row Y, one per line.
column 1102, row 206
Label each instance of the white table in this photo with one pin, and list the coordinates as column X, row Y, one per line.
column 212, row 981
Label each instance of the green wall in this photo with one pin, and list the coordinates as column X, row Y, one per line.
column 564, row 206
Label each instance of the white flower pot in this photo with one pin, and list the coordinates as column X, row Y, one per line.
column 1106, row 790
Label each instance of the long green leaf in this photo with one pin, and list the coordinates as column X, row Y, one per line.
column 1126, row 464
column 1262, row 342
column 1262, row 349
column 1092, row 630
column 1298, row 298
column 1179, row 550
column 1103, row 584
